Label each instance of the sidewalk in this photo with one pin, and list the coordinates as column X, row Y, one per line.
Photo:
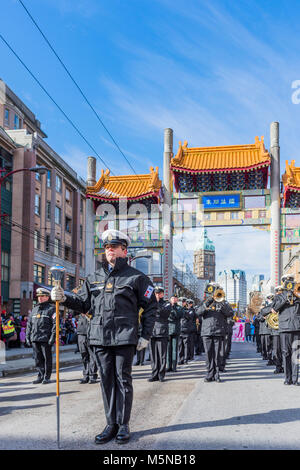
column 18, row 360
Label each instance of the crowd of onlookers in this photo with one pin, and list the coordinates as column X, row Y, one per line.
column 13, row 329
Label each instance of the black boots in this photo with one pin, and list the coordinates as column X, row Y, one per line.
column 123, row 435
column 107, row 434
column 119, row 431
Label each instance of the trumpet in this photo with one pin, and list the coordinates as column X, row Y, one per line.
column 219, row 295
column 296, row 290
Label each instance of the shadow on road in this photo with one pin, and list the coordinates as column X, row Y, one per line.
column 9, row 409
column 272, row 417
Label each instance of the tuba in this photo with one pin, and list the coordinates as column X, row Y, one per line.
column 272, row 320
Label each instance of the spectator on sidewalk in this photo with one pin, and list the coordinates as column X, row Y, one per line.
column 8, row 333
column 248, row 331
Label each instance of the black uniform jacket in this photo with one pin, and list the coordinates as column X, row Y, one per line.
column 174, row 320
column 264, row 329
column 187, row 322
column 161, row 327
column 192, row 313
column 114, row 299
column 83, row 325
column 289, row 315
column 41, row 326
column 214, row 318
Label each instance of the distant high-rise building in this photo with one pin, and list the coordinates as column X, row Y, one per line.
column 256, row 282
column 234, row 283
column 205, row 258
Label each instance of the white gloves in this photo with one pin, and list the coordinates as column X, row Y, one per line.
column 142, row 343
column 57, row 293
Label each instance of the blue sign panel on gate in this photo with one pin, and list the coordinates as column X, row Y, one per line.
column 221, row 201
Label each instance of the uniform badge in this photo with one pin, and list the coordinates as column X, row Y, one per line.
column 38, row 315
column 148, row 292
column 109, row 287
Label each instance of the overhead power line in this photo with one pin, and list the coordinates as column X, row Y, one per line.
column 56, row 104
column 77, row 86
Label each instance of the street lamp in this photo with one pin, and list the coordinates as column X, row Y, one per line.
column 37, row 169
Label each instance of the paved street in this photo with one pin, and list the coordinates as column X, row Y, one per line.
column 251, row 409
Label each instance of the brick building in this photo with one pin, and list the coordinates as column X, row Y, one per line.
column 48, row 212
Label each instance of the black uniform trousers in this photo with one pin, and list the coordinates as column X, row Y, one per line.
column 172, row 352
column 192, row 346
column 212, row 346
column 258, row 342
column 228, row 343
column 140, row 356
column 289, row 346
column 88, row 358
column 115, row 365
column 183, row 348
column 266, row 346
column 199, row 349
column 42, row 353
column 222, row 361
column 158, row 355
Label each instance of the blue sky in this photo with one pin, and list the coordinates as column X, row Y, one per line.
column 217, row 73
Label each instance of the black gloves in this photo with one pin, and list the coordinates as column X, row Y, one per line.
column 209, row 301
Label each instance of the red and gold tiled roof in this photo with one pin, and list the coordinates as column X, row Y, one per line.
column 227, row 158
column 132, row 187
column 291, row 177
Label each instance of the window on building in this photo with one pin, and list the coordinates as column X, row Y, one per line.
column 48, row 210
column 70, row 282
column 57, row 215
column 81, row 205
column 37, row 240
column 68, row 195
column 80, row 232
column 6, row 117
column 37, row 205
column 39, row 273
column 17, row 122
column 58, row 184
column 67, row 253
column 38, row 176
column 7, row 185
column 68, row 224
column 80, row 260
column 47, row 244
column 49, row 179
column 5, row 266
column 57, row 247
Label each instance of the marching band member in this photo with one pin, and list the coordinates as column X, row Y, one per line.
column 287, row 305
column 40, row 334
column 214, row 313
column 159, row 338
column 114, row 295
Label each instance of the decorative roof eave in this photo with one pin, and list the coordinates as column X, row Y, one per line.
column 95, row 197
column 292, row 188
column 221, row 170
